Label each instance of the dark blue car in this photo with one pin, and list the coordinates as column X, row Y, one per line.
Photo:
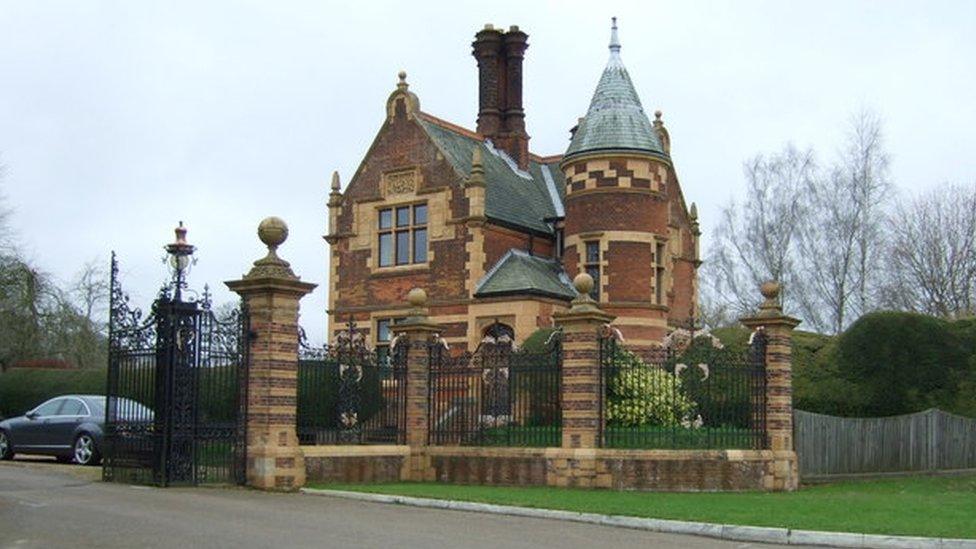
column 68, row 427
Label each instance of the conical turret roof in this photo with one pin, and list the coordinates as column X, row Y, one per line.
column 615, row 119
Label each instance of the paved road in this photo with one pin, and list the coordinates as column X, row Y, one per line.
column 48, row 505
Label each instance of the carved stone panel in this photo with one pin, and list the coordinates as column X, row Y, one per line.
column 403, row 182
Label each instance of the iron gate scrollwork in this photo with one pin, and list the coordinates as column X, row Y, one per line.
column 349, row 393
column 499, row 395
column 176, row 392
column 690, row 393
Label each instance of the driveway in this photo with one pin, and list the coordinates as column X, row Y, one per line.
column 43, row 504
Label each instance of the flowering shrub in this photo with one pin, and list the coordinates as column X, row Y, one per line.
column 641, row 394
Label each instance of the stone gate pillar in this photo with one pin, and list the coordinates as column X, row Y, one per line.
column 778, row 330
column 271, row 293
column 580, row 383
column 417, row 331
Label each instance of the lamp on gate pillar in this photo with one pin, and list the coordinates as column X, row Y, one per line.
column 180, row 258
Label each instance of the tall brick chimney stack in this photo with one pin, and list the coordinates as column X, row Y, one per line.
column 487, row 50
column 501, row 117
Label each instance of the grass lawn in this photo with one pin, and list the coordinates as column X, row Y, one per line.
column 915, row 506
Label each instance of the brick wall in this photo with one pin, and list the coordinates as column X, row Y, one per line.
column 628, row 271
column 665, row 470
column 630, row 205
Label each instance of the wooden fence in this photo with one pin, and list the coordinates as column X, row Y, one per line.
column 932, row 440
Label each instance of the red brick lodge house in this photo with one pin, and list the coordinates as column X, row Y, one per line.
column 493, row 231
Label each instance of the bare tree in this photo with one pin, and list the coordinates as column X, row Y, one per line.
column 6, row 231
column 865, row 163
column 842, row 236
column 90, row 292
column 755, row 240
column 26, row 297
column 931, row 259
column 827, row 255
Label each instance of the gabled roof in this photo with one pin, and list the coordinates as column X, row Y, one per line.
column 512, row 196
column 519, row 272
column 615, row 120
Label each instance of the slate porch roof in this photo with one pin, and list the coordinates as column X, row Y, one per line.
column 519, row 272
column 512, row 196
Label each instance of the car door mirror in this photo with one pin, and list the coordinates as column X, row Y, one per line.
column 31, row 415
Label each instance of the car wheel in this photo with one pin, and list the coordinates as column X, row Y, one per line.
column 84, row 450
column 6, row 450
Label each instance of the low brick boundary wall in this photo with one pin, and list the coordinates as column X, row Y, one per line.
column 666, row 470
column 356, row 463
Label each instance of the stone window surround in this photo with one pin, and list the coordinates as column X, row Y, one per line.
column 374, row 223
column 410, row 228
column 578, row 242
column 365, row 214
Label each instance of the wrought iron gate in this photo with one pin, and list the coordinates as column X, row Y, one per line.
column 177, row 391
column 350, row 394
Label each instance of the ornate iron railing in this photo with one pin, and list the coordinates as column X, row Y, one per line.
column 692, row 393
column 349, row 394
column 496, row 396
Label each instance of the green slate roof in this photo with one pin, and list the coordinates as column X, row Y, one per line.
column 518, row 272
column 512, row 196
column 615, row 119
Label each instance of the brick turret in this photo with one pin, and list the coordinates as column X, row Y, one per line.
column 626, row 223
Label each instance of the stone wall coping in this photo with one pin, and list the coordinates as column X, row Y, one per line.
column 352, row 450
column 754, row 322
column 416, row 325
column 606, row 453
column 355, row 450
column 247, row 286
column 594, row 316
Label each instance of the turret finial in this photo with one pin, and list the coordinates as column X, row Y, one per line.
column 402, row 84
column 336, row 186
column 614, row 39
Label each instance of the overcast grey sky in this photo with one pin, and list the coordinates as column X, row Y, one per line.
column 118, row 119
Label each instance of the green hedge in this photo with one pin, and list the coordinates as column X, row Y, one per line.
column 536, row 342
column 21, row 389
column 902, row 362
column 318, row 393
column 885, row 363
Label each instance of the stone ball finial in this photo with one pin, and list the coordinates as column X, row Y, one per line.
column 417, row 297
column 658, row 114
column 770, row 290
column 273, row 231
column 403, row 76
column 583, row 283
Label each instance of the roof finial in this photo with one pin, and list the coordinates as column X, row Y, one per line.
column 402, row 84
column 477, row 168
column 614, row 39
column 336, row 186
